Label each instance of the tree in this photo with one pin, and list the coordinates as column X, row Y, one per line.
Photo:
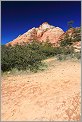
column 67, row 41
column 70, row 24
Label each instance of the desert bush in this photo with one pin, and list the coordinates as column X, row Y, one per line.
column 26, row 56
column 30, row 56
column 77, row 35
column 61, row 57
column 6, row 58
column 20, row 57
column 67, row 41
column 77, row 55
column 66, row 53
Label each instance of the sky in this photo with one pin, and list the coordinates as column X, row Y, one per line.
column 18, row 17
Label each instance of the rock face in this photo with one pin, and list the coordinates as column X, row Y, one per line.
column 73, row 33
column 52, row 34
column 42, row 33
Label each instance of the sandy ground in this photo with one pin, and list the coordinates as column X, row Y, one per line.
column 52, row 95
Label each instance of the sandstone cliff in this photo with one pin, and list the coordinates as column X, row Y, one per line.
column 42, row 33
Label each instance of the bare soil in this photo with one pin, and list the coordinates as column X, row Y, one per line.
column 52, row 95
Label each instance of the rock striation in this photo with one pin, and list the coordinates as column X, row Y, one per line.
column 42, row 33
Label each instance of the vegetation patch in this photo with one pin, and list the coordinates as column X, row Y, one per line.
column 30, row 56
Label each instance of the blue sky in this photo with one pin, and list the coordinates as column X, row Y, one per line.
column 19, row 17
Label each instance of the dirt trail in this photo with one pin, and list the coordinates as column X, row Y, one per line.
column 53, row 94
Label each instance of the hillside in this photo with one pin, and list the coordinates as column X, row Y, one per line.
column 23, row 53
column 41, row 33
column 41, row 75
column 47, row 32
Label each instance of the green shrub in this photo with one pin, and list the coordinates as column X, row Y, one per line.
column 77, row 35
column 19, row 57
column 61, row 57
column 30, row 56
column 67, row 41
column 26, row 56
column 6, row 58
column 77, row 55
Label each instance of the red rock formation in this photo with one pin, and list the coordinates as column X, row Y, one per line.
column 41, row 33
